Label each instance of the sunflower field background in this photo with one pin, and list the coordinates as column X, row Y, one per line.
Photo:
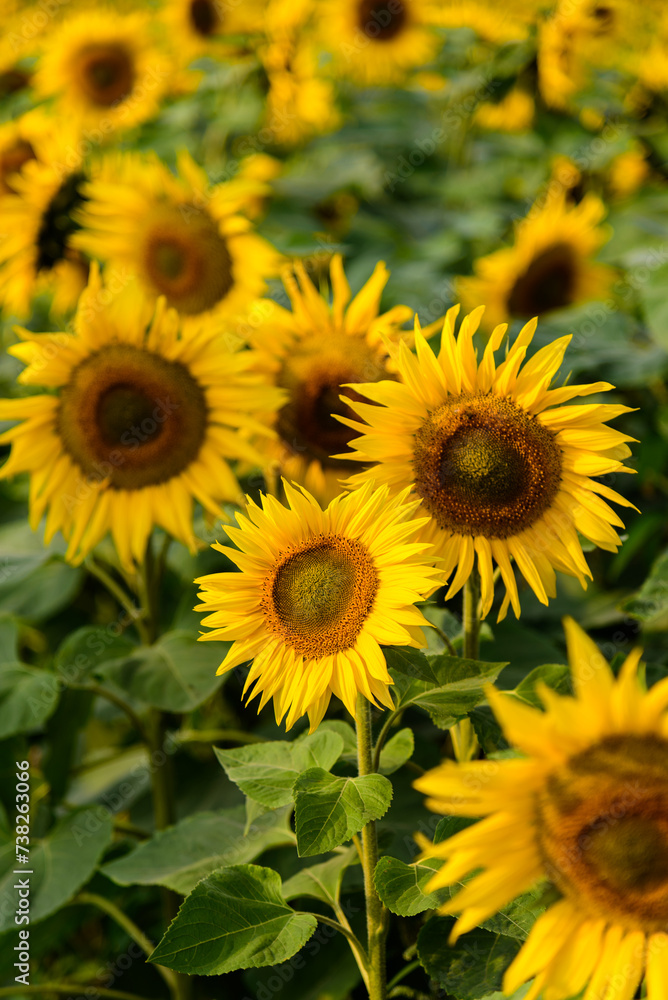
column 239, row 405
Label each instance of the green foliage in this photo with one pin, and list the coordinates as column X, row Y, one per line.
column 321, row 881
column 471, row 969
column 330, row 810
column 650, row 604
column 396, row 751
column 235, row 918
column 268, row 772
column 402, row 887
column 192, row 849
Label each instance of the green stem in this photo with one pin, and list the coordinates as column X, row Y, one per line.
column 464, row 740
column 407, row 969
column 130, row 928
column 375, row 911
column 164, row 811
column 137, row 614
column 74, row 989
column 391, row 720
column 447, row 641
column 343, row 928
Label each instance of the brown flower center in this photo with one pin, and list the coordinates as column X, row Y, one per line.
column 315, row 374
column 548, row 283
column 382, row 20
column 318, row 595
column 57, row 224
column 204, row 17
column 12, row 160
column 106, row 73
column 186, row 259
column 483, row 466
column 132, row 417
column 603, row 829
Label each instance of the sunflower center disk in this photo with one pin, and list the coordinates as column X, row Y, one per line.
column 603, row 830
column 318, row 598
column 315, row 376
column 186, row 259
column 483, row 466
column 132, row 417
column 381, row 20
column 548, row 283
column 204, row 17
column 106, row 73
column 57, row 225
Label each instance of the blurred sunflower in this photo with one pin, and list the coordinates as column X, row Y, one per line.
column 104, row 69
column 197, row 27
column 141, row 425
column 36, row 249
column 312, row 352
column 378, row 41
column 513, row 113
column 28, row 137
column 587, row 809
column 482, row 16
column 549, row 267
column 300, row 102
column 502, row 468
column 177, row 235
column 317, row 593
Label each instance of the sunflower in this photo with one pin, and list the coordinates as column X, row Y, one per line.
column 312, row 352
column 104, row 69
column 548, row 268
column 141, row 425
column 29, row 137
column 177, row 235
column 586, row 808
column 500, row 465
column 36, row 250
column 318, row 591
column 378, row 41
column 483, row 17
column 513, row 113
column 198, row 27
column 300, row 102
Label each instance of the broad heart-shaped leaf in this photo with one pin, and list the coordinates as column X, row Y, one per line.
column 330, row 810
column 471, row 969
column 556, row 675
column 397, row 751
column 185, row 853
column 60, row 864
column 88, row 647
column 321, row 881
column 175, row 674
column 266, row 772
column 402, row 887
column 28, row 697
column 236, row 918
column 650, row 604
column 446, row 687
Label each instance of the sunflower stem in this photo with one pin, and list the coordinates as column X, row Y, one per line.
column 376, row 913
column 464, row 740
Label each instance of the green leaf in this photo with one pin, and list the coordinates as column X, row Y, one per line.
column 266, row 772
column 397, row 751
column 9, row 639
column 321, row 881
column 234, row 919
column 28, row 697
column 61, row 864
column 47, row 591
column 87, row 648
column 175, row 674
column 403, row 887
column 347, row 734
column 446, row 687
column 471, row 969
column 655, row 306
column 187, row 852
column 556, row 675
column 330, row 810
column 650, row 604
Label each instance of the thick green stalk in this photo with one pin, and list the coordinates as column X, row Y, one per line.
column 464, row 740
column 376, row 914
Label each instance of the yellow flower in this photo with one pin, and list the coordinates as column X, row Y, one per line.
column 585, row 807
column 105, row 71
column 312, row 352
column 628, row 172
column 178, row 236
column 197, row 27
column 300, row 102
column 29, row 137
column 141, row 425
column 483, row 17
column 514, row 113
column 549, row 267
column 500, row 465
column 378, row 41
column 36, row 248
column 318, row 592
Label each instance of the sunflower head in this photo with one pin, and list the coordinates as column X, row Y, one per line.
column 501, row 467
column 585, row 809
column 142, row 424
column 317, row 592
